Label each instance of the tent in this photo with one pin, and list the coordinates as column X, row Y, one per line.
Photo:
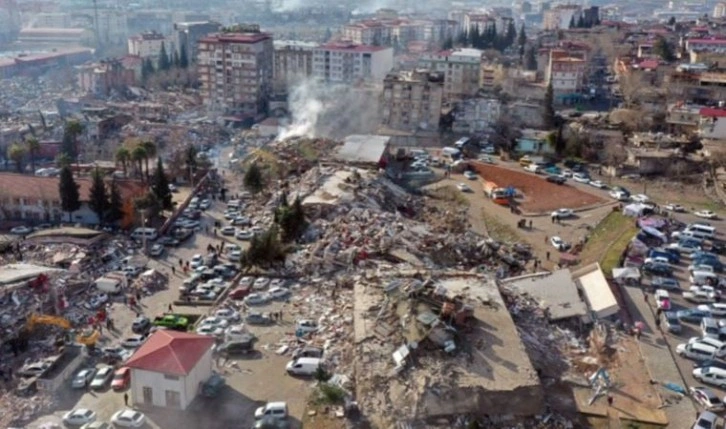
column 626, row 273
column 634, row 210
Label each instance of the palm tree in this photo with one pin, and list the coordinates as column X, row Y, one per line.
column 138, row 155
column 74, row 129
column 33, row 147
column 123, row 156
column 150, row 149
column 16, row 153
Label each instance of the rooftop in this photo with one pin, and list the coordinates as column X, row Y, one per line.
column 363, row 148
column 236, row 38
column 351, row 47
column 171, row 352
column 46, row 188
column 555, row 291
column 13, row 273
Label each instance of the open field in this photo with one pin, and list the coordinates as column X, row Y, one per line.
column 608, row 240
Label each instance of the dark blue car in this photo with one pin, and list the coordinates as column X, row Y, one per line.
column 692, row 315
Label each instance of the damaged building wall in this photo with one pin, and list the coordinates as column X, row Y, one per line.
column 522, row 401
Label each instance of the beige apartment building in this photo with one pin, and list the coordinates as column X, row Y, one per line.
column 236, row 73
column 461, row 69
column 293, row 63
column 412, row 100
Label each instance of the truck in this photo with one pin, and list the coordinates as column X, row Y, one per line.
column 172, row 321
column 112, row 283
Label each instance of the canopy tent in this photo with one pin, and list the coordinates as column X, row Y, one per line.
column 626, row 273
column 634, row 210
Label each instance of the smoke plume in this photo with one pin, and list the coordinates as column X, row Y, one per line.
column 331, row 111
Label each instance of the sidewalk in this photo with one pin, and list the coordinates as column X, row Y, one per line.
column 654, row 349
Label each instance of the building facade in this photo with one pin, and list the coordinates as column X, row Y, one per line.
column 566, row 74
column 186, row 36
column 559, row 18
column 293, row 63
column 351, row 63
column 148, row 45
column 476, row 115
column 101, row 78
column 461, row 69
column 412, row 100
column 236, row 72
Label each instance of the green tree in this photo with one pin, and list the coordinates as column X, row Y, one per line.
column 291, row 219
column 672, row 21
column 522, row 39
column 63, row 160
column 71, row 131
column 581, row 22
column 98, row 199
column 149, row 205
column 511, row 34
column 149, row 152
column 548, row 116
column 573, row 24
column 123, row 156
column 253, row 180
column 147, row 69
column 183, row 58
column 265, row 250
column 663, row 49
column 190, row 161
column 160, row 186
column 33, row 146
column 175, row 59
column 115, row 203
column 68, row 192
column 138, row 155
column 16, row 153
column 448, row 44
column 530, row 62
column 164, row 63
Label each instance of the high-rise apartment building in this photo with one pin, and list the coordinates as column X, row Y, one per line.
column 412, row 100
column 148, row 45
column 350, row 63
column 236, row 71
column 293, row 63
column 186, row 36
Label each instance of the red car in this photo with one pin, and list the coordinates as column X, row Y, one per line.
column 241, row 292
column 121, row 379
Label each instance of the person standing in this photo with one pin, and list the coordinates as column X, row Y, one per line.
column 126, row 399
column 610, row 400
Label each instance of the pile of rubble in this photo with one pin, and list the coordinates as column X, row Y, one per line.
column 18, row 411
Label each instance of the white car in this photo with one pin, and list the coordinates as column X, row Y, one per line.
column 463, row 187
column 173, row 188
column 128, row 419
column 707, row 214
column 598, row 184
column 83, row 377
column 261, row 283
column 256, row 299
column 707, row 398
column 470, row 175
column 706, row 420
column 21, row 230
column 79, row 416
column 231, row 214
column 278, row 282
column 559, row 244
column 133, row 341
column 235, row 256
column 96, row 301
column 215, row 321
column 246, row 281
column 241, row 221
column 244, row 234
column 102, row 377
column 210, row 330
column 563, row 213
column 228, row 230
column 640, row 198
column 131, row 272
column 582, row 178
column 227, row 314
column 306, row 326
column 205, row 204
column 278, row 293
column 674, row 207
column 156, row 250
column 619, row 195
column 196, row 262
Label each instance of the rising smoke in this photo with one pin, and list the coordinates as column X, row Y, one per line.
column 331, row 111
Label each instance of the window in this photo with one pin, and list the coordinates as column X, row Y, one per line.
column 171, row 377
column 173, row 398
column 148, row 395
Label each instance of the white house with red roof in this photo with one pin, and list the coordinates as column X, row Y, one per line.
column 712, row 124
column 169, row 369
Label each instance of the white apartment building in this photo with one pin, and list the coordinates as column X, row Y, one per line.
column 461, row 69
column 293, row 62
column 350, row 63
column 148, row 45
column 559, row 18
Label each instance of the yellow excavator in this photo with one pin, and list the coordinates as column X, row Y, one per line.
column 87, row 337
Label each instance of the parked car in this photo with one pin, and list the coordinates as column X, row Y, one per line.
column 228, row 230
column 665, row 283
column 21, row 230
column 598, row 184
column 662, row 300
column 619, row 195
column 141, row 325
column 706, row 214
column 671, row 322
column 240, row 293
column 244, row 234
column 707, row 398
column 156, row 250
column 692, row 315
column 210, row 330
column 706, row 420
column 581, row 178
column 215, row 321
column 205, row 204
column 79, row 416
column 196, row 262
column 241, row 221
column 128, row 419
column 278, row 293
column 256, row 299
column 470, row 175
column 305, row 326
column 133, row 341
column 563, row 213
column 121, row 378
column 560, row 180
column 227, row 314
column 102, row 377
column 657, row 269
column 674, row 208
column 274, row 410
column 559, row 244
column 255, row 318
column 640, row 198
column 83, row 377
column 261, row 283
column 463, row 187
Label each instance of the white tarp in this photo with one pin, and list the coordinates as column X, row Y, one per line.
column 634, row 210
column 626, row 273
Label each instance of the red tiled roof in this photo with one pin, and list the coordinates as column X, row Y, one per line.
column 170, row 352
column 649, row 64
column 712, row 112
column 707, row 41
column 46, row 188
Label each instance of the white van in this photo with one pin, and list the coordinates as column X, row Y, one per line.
column 303, row 366
column 711, row 375
column 700, row 278
column 696, row 351
column 275, row 410
column 720, row 346
column 450, row 152
column 700, row 230
column 710, row 328
column 149, row 234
